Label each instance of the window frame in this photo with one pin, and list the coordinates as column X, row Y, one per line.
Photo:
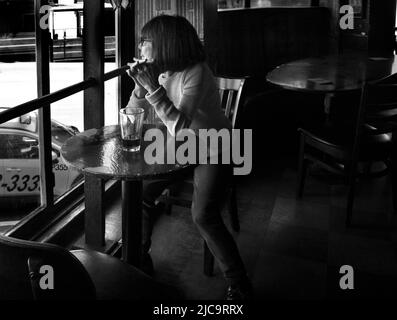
column 32, row 225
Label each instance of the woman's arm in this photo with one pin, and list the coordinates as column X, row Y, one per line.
column 137, row 100
column 179, row 117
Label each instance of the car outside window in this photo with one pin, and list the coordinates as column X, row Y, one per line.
column 19, row 147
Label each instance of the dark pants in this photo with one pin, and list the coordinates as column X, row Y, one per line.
column 211, row 184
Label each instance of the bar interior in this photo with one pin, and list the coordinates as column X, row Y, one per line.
column 107, row 194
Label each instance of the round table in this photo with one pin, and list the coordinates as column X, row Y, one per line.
column 98, row 153
column 331, row 74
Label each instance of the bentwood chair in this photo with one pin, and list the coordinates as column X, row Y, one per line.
column 77, row 274
column 368, row 140
column 230, row 90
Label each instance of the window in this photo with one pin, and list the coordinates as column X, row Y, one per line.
column 230, row 4
column 24, row 175
column 235, row 4
column 19, row 176
column 280, row 3
column 164, row 7
column 19, row 156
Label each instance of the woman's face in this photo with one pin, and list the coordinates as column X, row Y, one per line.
column 146, row 49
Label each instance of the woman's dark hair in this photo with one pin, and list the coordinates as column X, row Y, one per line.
column 175, row 42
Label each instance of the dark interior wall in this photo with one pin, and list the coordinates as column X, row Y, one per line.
column 16, row 16
column 253, row 41
column 382, row 15
column 373, row 31
column 333, row 34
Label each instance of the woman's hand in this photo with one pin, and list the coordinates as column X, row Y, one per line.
column 146, row 74
column 140, row 91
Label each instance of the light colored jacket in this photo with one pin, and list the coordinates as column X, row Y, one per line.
column 186, row 99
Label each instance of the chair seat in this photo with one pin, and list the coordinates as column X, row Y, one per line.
column 332, row 141
column 117, row 280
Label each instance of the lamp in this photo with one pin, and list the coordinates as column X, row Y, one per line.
column 120, row 3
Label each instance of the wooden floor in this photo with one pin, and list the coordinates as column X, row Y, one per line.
column 292, row 249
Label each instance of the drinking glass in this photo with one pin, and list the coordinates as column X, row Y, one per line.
column 131, row 122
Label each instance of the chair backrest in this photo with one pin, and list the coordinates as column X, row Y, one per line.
column 377, row 112
column 381, row 105
column 17, row 282
column 230, row 90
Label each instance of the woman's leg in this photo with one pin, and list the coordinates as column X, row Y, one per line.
column 152, row 189
column 211, row 183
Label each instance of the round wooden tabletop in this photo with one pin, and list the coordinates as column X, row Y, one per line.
column 332, row 73
column 99, row 152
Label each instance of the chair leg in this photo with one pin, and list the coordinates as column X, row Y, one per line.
column 350, row 200
column 233, row 209
column 208, row 261
column 393, row 178
column 302, row 168
column 302, row 171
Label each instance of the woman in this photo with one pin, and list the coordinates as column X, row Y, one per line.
column 174, row 79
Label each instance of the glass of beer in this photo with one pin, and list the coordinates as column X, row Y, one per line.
column 131, row 123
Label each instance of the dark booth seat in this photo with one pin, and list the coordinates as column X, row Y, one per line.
column 115, row 279
column 79, row 274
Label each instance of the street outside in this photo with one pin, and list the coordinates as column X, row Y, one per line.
column 18, row 85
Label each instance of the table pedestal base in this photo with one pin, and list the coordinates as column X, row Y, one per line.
column 132, row 221
column 95, row 216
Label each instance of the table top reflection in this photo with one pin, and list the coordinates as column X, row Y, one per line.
column 99, row 152
column 332, row 73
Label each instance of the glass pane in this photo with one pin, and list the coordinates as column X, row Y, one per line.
column 230, row 4
column 17, row 52
column 111, row 107
column 19, row 157
column 280, row 3
column 67, row 69
column 18, row 85
column 66, row 121
column 67, row 117
column 19, row 169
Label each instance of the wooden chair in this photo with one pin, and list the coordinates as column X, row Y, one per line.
column 230, row 90
column 369, row 140
column 77, row 274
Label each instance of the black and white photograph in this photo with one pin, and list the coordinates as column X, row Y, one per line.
column 198, row 158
